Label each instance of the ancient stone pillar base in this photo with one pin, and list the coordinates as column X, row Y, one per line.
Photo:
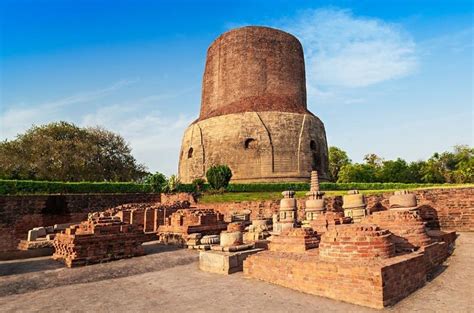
column 402, row 200
column 354, row 205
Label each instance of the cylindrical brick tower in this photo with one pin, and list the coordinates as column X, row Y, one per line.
column 254, row 69
column 253, row 113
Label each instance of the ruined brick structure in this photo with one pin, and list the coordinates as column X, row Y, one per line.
column 356, row 242
column 445, row 208
column 148, row 216
column 20, row 213
column 254, row 116
column 356, row 263
column 408, row 228
column 99, row 239
column 182, row 223
column 294, row 240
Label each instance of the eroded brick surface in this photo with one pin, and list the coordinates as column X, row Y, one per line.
column 102, row 238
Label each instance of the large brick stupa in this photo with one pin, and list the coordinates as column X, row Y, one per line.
column 254, row 116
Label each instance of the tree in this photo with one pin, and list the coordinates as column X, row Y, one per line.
column 373, row 159
column 394, row 171
column 218, row 176
column 464, row 169
column 157, row 180
column 357, row 173
column 172, row 184
column 65, row 152
column 337, row 159
column 415, row 172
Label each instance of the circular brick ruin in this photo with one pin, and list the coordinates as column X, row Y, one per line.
column 356, row 242
column 408, row 228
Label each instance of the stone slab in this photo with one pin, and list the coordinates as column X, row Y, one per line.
column 224, row 262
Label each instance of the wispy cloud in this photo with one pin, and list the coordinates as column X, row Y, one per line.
column 344, row 50
column 18, row 118
column 155, row 138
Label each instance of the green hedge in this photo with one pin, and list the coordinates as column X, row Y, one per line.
column 278, row 187
column 323, row 186
column 47, row 187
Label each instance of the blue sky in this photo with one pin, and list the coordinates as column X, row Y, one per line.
column 387, row 77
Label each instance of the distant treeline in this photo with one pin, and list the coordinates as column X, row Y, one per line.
column 446, row 167
column 65, row 152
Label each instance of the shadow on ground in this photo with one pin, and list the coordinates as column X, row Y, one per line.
column 22, row 276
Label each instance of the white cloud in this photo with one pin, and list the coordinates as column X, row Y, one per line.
column 343, row 50
column 155, row 138
column 19, row 118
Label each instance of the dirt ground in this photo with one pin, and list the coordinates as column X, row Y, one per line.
column 168, row 280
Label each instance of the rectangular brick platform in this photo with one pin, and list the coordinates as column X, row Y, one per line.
column 374, row 284
column 224, row 262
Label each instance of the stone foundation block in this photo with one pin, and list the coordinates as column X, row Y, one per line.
column 220, row 262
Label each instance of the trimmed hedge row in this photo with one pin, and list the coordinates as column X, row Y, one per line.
column 47, row 187
column 323, row 185
column 278, row 187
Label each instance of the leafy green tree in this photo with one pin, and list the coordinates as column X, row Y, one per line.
column 218, row 176
column 464, row 169
column 373, row 160
column 394, row 171
column 172, row 184
column 198, row 184
column 157, row 180
column 357, row 173
column 415, row 172
column 337, row 159
column 63, row 151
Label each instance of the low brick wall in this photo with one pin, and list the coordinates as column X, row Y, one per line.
column 375, row 284
column 448, row 209
column 20, row 213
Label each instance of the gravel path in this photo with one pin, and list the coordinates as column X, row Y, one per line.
column 168, row 280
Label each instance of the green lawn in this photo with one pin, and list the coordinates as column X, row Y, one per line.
column 257, row 196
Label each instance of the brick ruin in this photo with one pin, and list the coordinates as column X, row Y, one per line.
column 228, row 256
column 103, row 237
column 115, row 233
column 374, row 260
column 146, row 215
column 181, row 224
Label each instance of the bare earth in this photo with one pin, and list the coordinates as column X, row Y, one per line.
column 168, row 280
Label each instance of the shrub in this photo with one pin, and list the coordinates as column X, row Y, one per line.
column 219, row 176
column 198, row 184
column 173, row 184
column 158, row 181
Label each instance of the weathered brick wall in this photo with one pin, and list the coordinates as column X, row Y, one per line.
column 375, row 285
column 448, row 208
column 18, row 214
